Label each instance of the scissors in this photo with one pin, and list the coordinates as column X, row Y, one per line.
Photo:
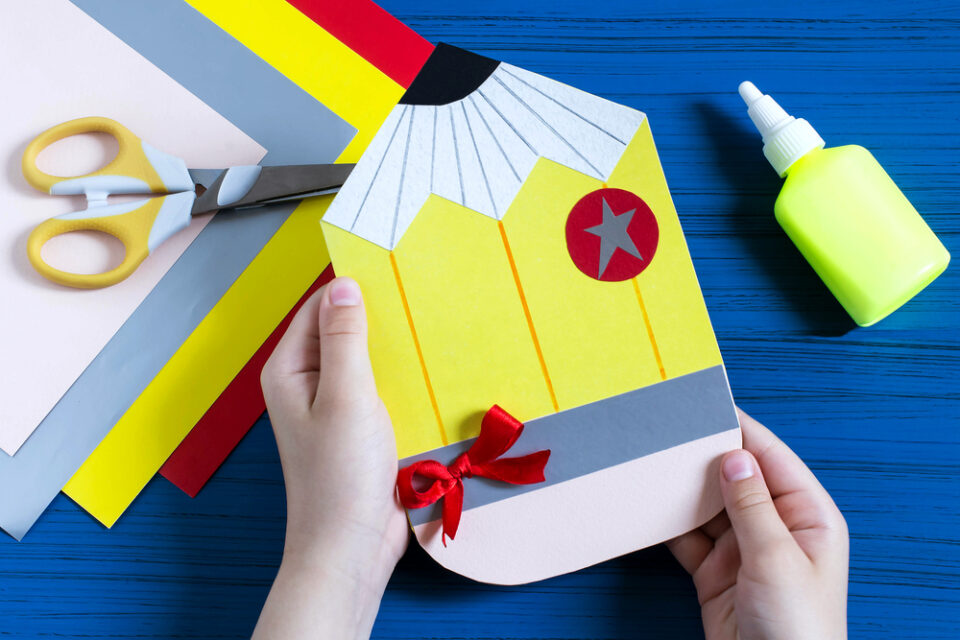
column 143, row 225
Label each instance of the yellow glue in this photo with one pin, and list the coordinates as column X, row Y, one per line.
column 846, row 216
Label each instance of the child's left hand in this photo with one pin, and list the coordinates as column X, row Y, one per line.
column 345, row 527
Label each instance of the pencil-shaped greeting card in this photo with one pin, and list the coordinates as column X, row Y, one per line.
column 526, row 278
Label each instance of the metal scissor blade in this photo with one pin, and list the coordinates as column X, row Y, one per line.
column 299, row 196
column 242, row 187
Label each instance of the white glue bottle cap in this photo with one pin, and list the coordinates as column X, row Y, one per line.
column 785, row 139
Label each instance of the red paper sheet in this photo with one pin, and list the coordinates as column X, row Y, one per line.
column 397, row 51
column 226, row 422
column 381, row 39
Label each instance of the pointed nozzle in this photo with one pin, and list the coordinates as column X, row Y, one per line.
column 785, row 139
column 749, row 92
column 768, row 116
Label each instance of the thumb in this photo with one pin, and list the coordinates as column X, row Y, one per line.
column 346, row 376
column 755, row 520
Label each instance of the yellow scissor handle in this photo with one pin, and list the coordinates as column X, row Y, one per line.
column 141, row 226
column 131, row 161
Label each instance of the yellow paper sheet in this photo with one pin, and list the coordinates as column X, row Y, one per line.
column 218, row 348
column 152, row 428
column 317, row 62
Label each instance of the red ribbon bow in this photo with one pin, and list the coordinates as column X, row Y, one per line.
column 498, row 432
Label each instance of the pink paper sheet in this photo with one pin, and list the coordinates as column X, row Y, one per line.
column 49, row 333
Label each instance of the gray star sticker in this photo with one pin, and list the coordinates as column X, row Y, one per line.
column 613, row 235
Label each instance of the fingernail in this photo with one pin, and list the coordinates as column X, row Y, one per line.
column 344, row 292
column 737, row 466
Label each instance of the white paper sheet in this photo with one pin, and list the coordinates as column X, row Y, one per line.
column 49, row 333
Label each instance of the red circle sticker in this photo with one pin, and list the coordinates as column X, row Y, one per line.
column 612, row 234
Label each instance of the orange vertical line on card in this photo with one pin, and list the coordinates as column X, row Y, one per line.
column 416, row 343
column 526, row 312
column 646, row 321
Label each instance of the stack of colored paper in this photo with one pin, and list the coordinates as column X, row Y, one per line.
column 101, row 388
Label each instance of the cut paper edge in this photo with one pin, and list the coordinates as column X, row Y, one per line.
column 450, row 74
column 478, row 151
column 145, row 436
column 581, row 522
column 383, row 40
column 305, row 53
column 231, row 416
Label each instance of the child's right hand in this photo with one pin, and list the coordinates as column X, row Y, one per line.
column 773, row 565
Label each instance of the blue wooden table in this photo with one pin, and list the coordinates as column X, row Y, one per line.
column 875, row 412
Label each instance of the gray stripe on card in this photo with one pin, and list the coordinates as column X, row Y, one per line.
column 603, row 434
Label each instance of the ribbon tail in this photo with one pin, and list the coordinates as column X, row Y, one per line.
column 526, row 469
column 452, row 509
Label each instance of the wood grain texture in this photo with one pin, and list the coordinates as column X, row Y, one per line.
column 873, row 411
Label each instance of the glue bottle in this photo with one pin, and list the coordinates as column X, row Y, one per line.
column 848, row 218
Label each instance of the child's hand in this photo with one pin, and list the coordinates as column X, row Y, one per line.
column 774, row 564
column 345, row 528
